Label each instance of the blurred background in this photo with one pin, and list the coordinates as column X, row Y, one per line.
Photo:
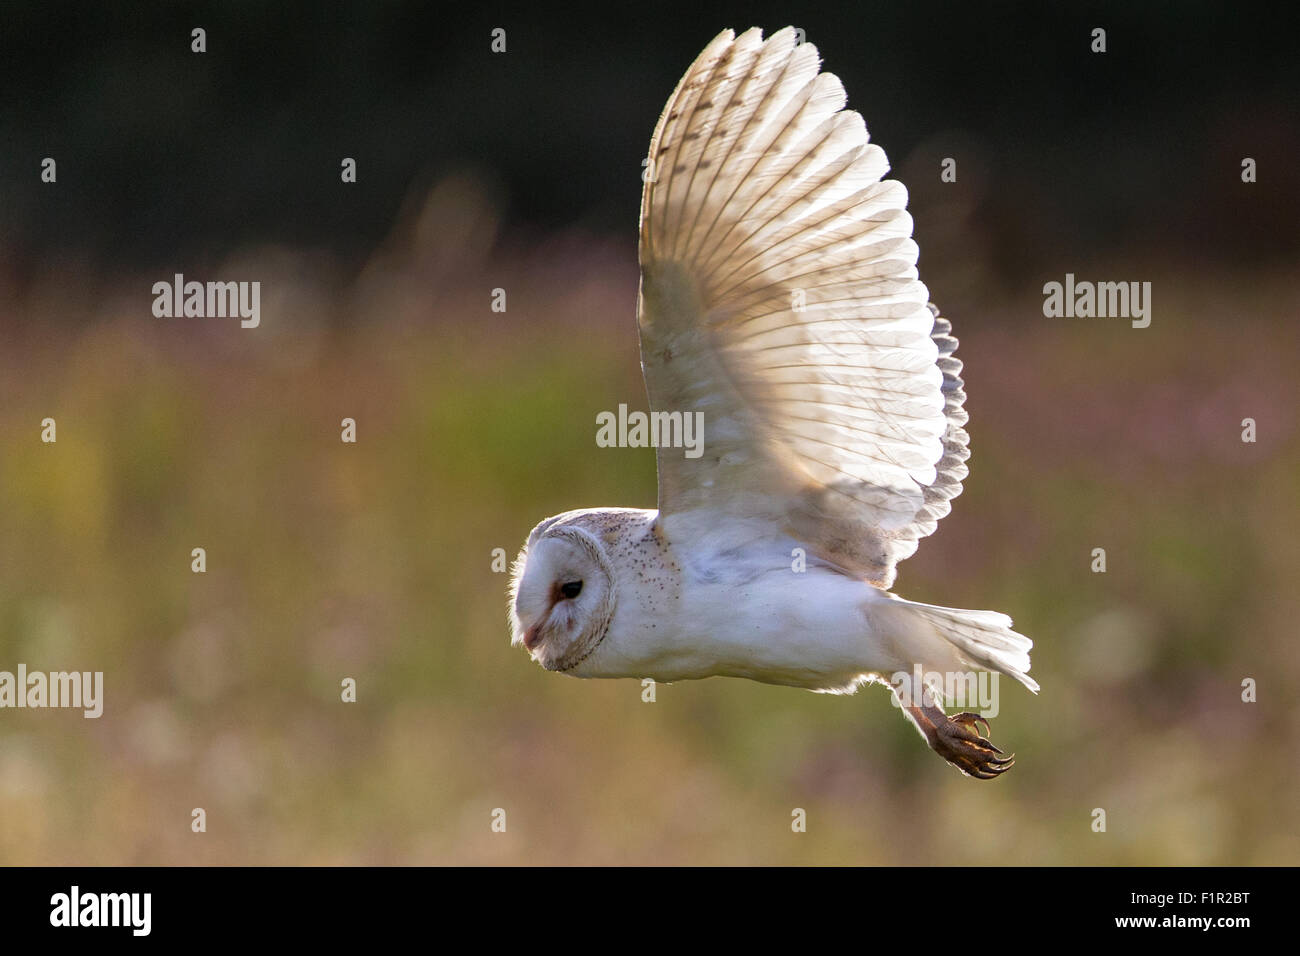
column 373, row 560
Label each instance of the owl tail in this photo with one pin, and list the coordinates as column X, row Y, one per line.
column 983, row 639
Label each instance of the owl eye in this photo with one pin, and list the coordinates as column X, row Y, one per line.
column 571, row 589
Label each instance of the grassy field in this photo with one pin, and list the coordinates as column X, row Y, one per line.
column 373, row 560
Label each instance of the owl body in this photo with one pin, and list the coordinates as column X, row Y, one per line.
column 812, row 632
column 740, row 601
column 780, row 305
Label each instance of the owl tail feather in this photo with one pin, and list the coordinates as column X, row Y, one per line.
column 982, row 638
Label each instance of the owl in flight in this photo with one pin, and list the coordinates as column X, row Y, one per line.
column 779, row 298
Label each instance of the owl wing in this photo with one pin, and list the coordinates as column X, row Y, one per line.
column 780, row 299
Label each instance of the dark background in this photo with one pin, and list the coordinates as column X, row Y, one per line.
column 162, row 151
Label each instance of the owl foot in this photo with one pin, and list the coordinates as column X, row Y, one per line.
column 957, row 740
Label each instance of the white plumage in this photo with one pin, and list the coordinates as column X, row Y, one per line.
column 780, row 299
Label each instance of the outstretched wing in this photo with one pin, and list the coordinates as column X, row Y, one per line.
column 780, row 299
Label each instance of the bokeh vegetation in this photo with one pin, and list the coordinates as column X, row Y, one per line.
column 328, row 560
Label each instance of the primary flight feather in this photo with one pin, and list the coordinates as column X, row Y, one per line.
column 779, row 300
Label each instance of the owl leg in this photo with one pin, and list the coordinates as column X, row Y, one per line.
column 957, row 738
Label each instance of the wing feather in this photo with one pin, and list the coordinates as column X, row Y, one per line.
column 780, row 298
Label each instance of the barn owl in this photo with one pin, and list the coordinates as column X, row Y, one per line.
column 779, row 298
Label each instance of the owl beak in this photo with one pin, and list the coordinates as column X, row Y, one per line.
column 533, row 636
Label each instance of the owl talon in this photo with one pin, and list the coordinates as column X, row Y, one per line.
column 957, row 740
column 974, row 720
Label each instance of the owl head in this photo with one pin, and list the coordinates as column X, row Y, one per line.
column 561, row 595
